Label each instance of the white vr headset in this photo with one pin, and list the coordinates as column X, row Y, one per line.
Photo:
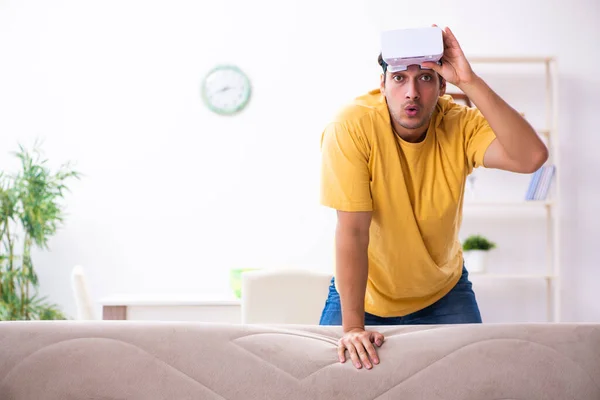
column 403, row 47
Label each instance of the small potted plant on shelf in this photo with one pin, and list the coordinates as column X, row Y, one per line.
column 475, row 252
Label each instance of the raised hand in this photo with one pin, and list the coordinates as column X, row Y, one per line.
column 455, row 68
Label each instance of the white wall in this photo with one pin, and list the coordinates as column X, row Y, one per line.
column 173, row 196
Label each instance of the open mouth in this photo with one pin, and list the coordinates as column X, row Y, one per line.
column 411, row 111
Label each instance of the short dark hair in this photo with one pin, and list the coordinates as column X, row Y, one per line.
column 384, row 65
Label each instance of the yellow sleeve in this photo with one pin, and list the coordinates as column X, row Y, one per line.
column 478, row 136
column 345, row 176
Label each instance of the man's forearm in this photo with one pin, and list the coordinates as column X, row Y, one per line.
column 518, row 138
column 351, row 276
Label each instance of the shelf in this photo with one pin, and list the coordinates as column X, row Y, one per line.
column 510, row 60
column 522, row 203
column 504, row 211
column 475, row 275
column 150, row 300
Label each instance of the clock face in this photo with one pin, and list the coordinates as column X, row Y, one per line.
column 226, row 90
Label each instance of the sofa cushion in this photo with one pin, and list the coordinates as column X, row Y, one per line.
column 184, row 360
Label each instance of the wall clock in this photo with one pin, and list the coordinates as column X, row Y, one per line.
column 226, row 89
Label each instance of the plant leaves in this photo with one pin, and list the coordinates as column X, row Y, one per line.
column 31, row 212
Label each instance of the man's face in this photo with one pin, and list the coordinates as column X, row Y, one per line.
column 411, row 96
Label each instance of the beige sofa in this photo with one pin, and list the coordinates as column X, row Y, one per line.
column 183, row 360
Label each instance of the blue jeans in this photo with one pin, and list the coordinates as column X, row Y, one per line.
column 459, row 306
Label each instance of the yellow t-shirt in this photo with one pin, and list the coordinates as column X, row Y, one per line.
column 414, row 190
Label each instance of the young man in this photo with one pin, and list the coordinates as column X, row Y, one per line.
column 394, row 167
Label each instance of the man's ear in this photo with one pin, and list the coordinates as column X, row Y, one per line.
column 382, row 83
column 442, row 86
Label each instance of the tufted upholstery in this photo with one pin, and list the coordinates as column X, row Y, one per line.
column 133, row 360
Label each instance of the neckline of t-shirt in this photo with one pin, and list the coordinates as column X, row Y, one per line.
column 416, row 145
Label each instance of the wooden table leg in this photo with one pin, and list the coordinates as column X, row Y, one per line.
column 114, row 312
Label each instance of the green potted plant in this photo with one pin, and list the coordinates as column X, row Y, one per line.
column 475, row 252
column 30, row 213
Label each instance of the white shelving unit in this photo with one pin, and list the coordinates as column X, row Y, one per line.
column 549, row 207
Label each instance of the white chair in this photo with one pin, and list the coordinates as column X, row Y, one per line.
column 283, row 296
column 83, row 299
